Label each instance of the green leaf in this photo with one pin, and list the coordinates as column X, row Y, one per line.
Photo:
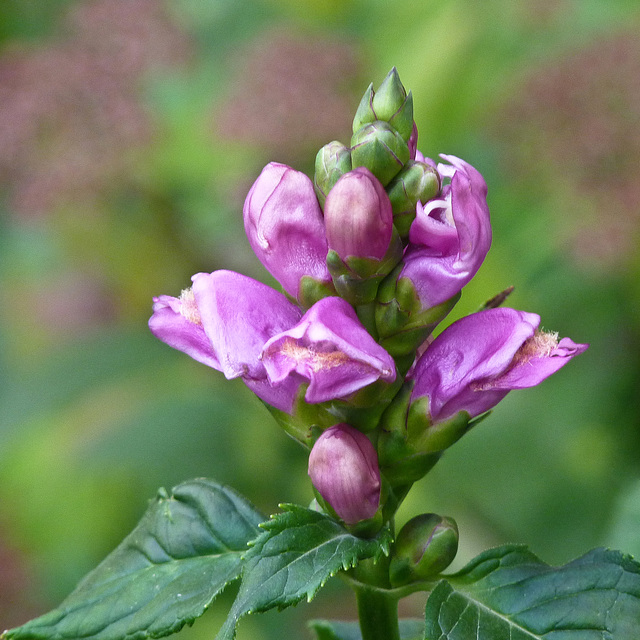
column 509, row 594
column 624, row 532
column 410, row 629
column 166, row 572
column 298, row 552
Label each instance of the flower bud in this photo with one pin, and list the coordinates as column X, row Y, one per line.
column 365, row 113
column 343, row 467
column 363, row 245
column 390, row 96
column 358, row 216
column 416, row 182
column 381, row 149
column 390, row 104
column 285, row 228
column 332, row 161
column 424, row 547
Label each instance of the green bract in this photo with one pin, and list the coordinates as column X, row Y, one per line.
column 381, row 149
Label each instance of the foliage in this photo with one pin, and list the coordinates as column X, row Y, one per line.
column 176, row 209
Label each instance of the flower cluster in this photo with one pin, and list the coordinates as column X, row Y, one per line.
column 371, row 254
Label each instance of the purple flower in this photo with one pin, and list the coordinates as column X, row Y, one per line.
column 246, row 329
column 358, row 216
column 330, row 348
column 476, row 361
column 450, row 236
column 285, row 227
column 224, row 321
column 343, row 467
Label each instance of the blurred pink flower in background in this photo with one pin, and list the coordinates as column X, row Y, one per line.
column 70, row 109
column 581, row 114
column 295, row 92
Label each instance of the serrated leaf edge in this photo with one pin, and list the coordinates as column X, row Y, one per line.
column 385, row 540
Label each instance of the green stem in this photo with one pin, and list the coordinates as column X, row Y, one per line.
column 377, row 607
column 378, row 614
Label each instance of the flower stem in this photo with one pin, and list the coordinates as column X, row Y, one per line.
column 377, row 608
column 378, row 614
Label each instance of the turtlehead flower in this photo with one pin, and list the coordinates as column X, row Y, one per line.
column 285, row 227
column 476, row 361
column 247, row 330
column 448, row 241
column 223, row 321
column 450, row 237
column 331, row 349
column 343, row 467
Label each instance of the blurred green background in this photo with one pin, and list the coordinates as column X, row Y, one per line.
column 130, row 132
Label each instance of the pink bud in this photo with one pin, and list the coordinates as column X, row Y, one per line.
column 343, row 467
column 358, row 216
column 284, row 225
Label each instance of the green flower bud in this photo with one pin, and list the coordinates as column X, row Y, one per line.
column 389, row 97
column 332, row 162
column 402, row 120
column 381, row 149
column 416, row 182
column 365, row 113
column 425, row 546
column 390, row 104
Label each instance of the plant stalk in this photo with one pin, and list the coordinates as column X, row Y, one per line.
column 377, row 608
column 378, row 614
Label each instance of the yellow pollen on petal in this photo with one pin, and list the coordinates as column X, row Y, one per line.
column 188, row 306
column 540, row 345
column 316, row 360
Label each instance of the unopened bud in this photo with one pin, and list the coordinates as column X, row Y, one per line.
column 363, row 244
column 425, row 546
column 285, row 227
column 365, row 113
column 390, row 96
column 379, row 148
column 358, row 216
column 343, row 467
column 390, row 103
column 332, row 161
column 416, row 182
